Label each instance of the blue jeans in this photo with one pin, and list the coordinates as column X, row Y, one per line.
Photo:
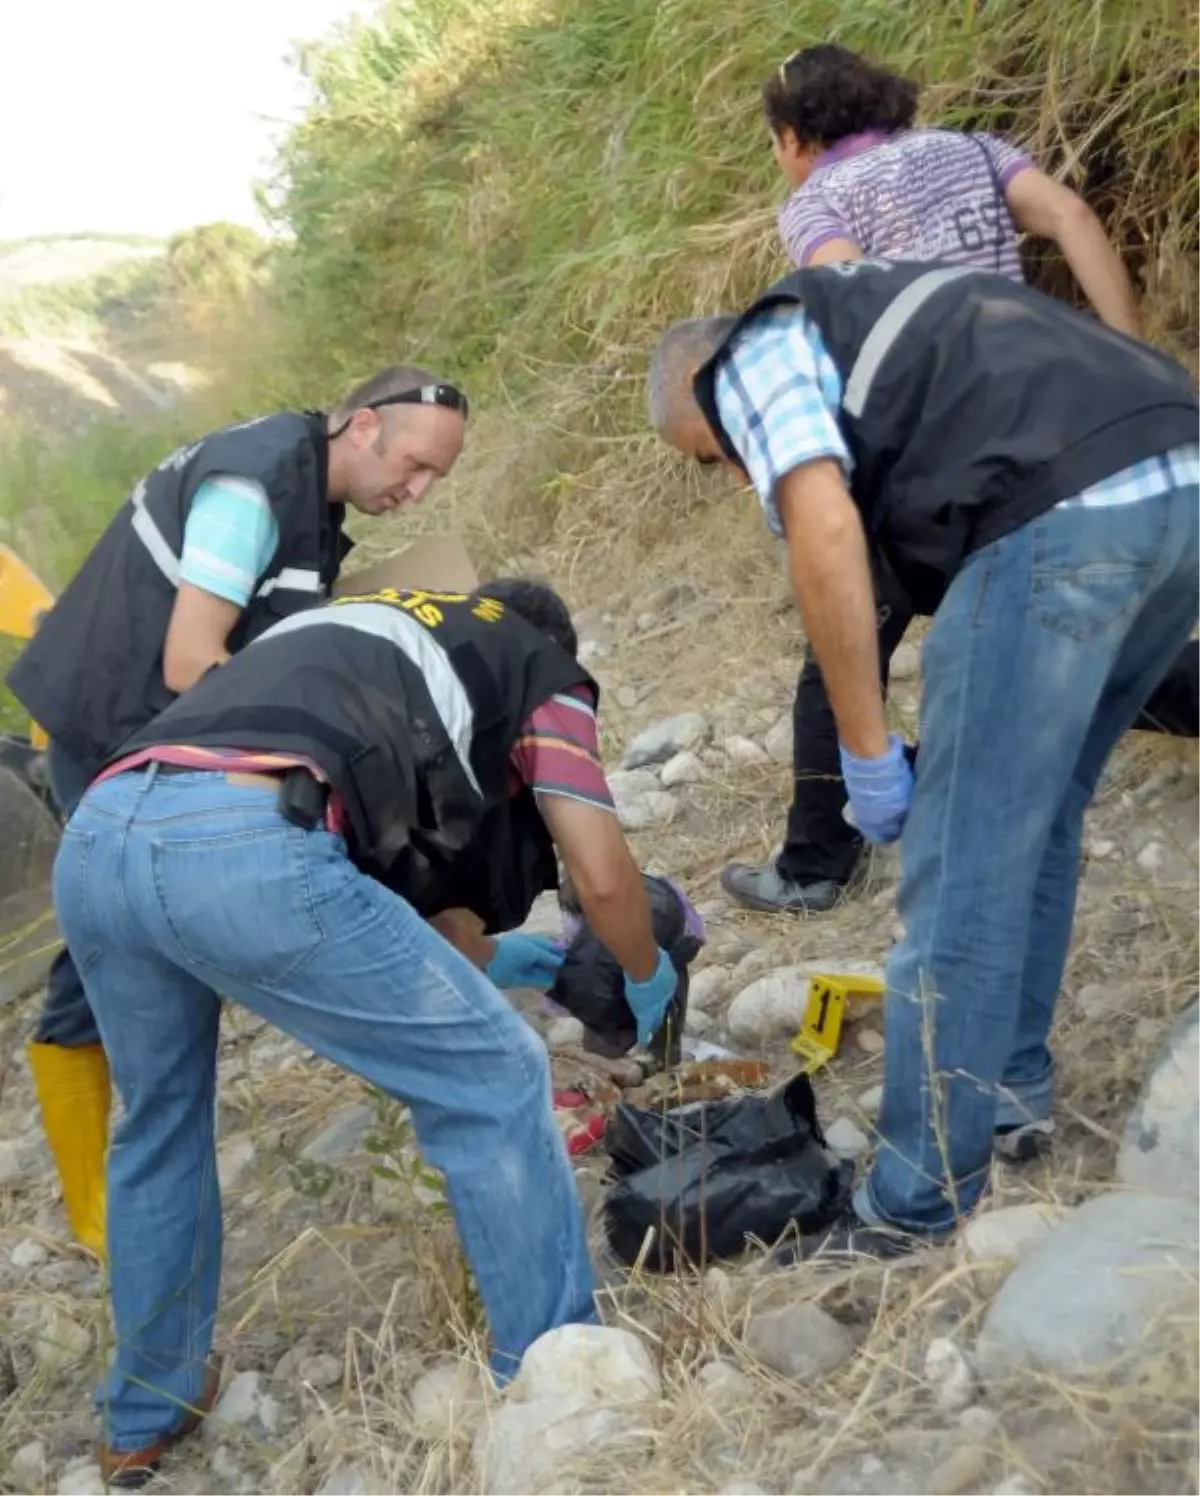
column 1045, row 648
column 173, row 889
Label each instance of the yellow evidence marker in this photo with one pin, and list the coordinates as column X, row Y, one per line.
column 23, row 600
column 828, row 994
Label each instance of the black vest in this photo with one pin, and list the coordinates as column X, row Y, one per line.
column 93, row 673
column 409, row 703
column 971, row 404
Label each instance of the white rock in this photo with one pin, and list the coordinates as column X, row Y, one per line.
column 629, row 784
column 698, row 1022
column 778, row 741
column 582, row 1390
column 1152, row 857
column 320, row 1370
column 980, row 1423
column 28, row 1254
column 626, row 697
column 1101, row 848
column 1012, row 1485
column 871, row 1100
column 340, row 1137
column 223, row 1465
column 949, row 1374
column 869, row 1040
column 1159, row 1151
column 770, row 1007
column 349, row 1479
column 799, row 1341
column 644, row 811
column 644, row 622
column 242, row 1402
column 81, row 1480
column 663, row 740
column 750, row 965
column 740, row 750
column 1102, row 999
column 234, row 1157
column 906, row 663
column 684, row 768
column 563, row 1033
column 845, row 1139
column 1008, row 1233
column 61, row 1341
column 447, row 1401
column 722, row 1382
column 1114, row 1272
column 27, row 1468
column 707, row 987
column 14, row 1163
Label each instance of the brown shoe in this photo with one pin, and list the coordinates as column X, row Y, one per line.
column 130, row 1469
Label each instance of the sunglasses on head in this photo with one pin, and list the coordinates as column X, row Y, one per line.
column 444, row 395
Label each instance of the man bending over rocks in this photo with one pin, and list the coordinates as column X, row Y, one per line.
column 274, row 838
column 1031, row 478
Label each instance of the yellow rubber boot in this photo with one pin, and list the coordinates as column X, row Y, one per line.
column 75, row 1094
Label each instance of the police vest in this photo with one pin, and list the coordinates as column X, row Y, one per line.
column 410, row 704
column 971, row 404
column 93, row 673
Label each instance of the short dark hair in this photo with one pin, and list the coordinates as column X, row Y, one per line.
column 825, row 93
column 397, row 380
column 538, row 604
column 681, row 350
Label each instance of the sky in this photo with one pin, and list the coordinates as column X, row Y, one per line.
column 145, row 116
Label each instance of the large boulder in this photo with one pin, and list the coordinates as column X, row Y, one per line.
column 1160, row 1152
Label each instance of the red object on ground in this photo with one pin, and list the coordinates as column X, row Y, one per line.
column 582, row 1125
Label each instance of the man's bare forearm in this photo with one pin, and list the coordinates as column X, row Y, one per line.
column 832, row 584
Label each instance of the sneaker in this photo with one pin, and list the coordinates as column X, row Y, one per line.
column 1023, row 1143
column 763, row 887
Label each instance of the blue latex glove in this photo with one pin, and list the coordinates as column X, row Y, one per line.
column 525, row 961
column 880, row 791
column 649, row 999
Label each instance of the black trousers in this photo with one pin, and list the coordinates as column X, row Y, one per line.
column 66, row 1018
column 819, row 845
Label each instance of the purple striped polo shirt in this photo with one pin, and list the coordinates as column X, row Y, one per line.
column 914, row 195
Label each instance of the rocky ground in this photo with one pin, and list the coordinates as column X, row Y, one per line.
column 1051, row 1347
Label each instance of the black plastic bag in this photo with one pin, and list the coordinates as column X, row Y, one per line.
column 591, row 985
column 708, row 1176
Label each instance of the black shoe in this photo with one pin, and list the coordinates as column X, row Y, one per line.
column 763, row 887
column 1024, row 1143
column 848, row 1236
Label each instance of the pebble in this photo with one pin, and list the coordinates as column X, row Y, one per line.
column 741, row 750
column 340, row 1137
column 845, row 1139
column 234, row 1157
column 242, row 1402
column 28, row 1254
column 644, row 622
column 14, row 1163
column 626, row 697
column 706, row 987
column 799, row 1341
column 949, row 1374
column 224, row 1466
column 320, row 1370
column 447, row 1400
column 1005, row 1234
column 1102, row 999
column 27, row 1468
column 871, row 1100
column 1152, row 857
column 906, row 663
column 644, row 811
column 684, row 768
column 61, row 1341
column 778, row 741
column 1160, row 1150
column 81, row 1480
column 349, row 1479
column 1101, row 848
column 663, row 740
column 959, row 1471
column 869, row 1040
column 723, row 1382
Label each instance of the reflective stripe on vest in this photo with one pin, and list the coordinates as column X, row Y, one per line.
column 881, row 339
column 147, row 531
column 292, row 579
column 447, row 692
